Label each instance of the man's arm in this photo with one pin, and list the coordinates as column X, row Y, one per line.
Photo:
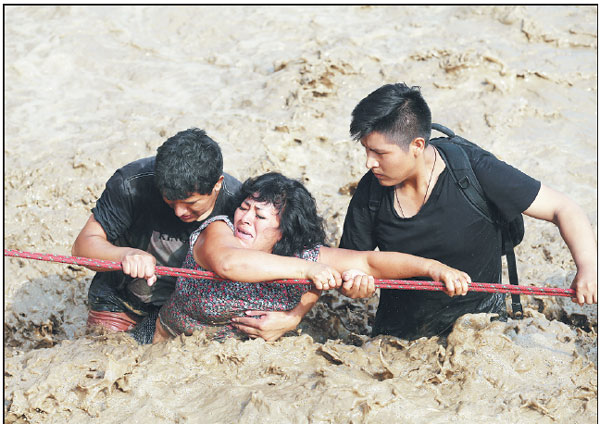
column 576, row 230
column 92, row 242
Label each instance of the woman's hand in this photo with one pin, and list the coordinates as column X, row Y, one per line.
column 356, row 284
column 457, row 282
column 323, row 276
column 268, row 325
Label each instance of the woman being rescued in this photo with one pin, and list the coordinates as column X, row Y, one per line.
column 276, row 233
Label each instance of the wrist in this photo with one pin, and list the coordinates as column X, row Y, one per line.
column 305, row 271
column 587, row 264
column 126, row 251
column 431, row 268
column 294, row 317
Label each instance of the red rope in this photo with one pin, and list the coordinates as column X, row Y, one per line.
column 384, row 284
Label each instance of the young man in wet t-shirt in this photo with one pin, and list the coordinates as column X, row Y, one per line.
column 144, row 218
column 420, row 210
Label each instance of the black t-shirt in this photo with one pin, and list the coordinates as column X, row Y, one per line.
column 132, row 212
column 447, row 229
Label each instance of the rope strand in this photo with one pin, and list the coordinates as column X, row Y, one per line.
column 380, row 283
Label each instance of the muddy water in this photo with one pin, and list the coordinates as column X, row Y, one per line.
column 89, row 89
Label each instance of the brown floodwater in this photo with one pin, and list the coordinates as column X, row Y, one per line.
column 89, row 89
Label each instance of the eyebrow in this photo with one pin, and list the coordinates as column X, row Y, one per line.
column 168, row 201
column 256, row 204
column 376, row 150
column 365, row 146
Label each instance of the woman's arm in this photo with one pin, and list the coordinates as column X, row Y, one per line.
column 393, row 265
column 576, row 230
column 217, row 250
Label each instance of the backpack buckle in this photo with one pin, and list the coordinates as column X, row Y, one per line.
column 517, row 310
column 464, row 183
column 374, row 205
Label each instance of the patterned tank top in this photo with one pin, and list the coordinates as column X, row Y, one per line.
column 208, row 304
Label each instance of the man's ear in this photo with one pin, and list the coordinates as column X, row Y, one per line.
column 218, row 184
column 417, row 146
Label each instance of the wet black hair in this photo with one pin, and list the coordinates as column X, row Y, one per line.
column 187, row 163
column 395, row 110
column 300, row 225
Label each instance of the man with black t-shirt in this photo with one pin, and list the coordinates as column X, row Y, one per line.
column 423, row 212
column 144, row 218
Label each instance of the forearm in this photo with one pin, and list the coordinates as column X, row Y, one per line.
column 295, row 316
column 398, row 265
column 577, row 232
column 572, row 222
column 379, row 264
column 307, row 301
column 97, row 248
column 255, row 266
column 92, row 242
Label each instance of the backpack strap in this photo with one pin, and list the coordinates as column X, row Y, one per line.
column 459, row 167
column 375, row 196
column 462, row 173
column 513, row 277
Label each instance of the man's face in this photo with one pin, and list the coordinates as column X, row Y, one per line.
column 197, row 207
column 390, row 163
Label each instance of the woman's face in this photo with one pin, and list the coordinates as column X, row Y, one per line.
column 256, row 225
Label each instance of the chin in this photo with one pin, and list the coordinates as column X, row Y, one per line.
column 188, row 220
column 385, row 182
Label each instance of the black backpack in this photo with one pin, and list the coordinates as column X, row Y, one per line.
column 460, row 169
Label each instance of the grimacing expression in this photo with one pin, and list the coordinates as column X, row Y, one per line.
column 256, row 225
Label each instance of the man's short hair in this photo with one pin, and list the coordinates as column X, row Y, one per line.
column 395, row 110
column 187, row 163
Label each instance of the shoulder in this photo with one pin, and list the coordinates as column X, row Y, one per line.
column 367, row 188
column 477, row 154
column 134, row 174
column 227, row 198
column 449, row 145
column 138, row 169
column 231, row 185
column 218, row 219
column 480, row 160
column 366, row 182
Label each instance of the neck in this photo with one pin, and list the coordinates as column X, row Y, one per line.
column 421, row 176
column 413, row 190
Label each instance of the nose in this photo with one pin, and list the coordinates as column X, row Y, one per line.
column 180, row 210
column 247, row 216
column 371, row 162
